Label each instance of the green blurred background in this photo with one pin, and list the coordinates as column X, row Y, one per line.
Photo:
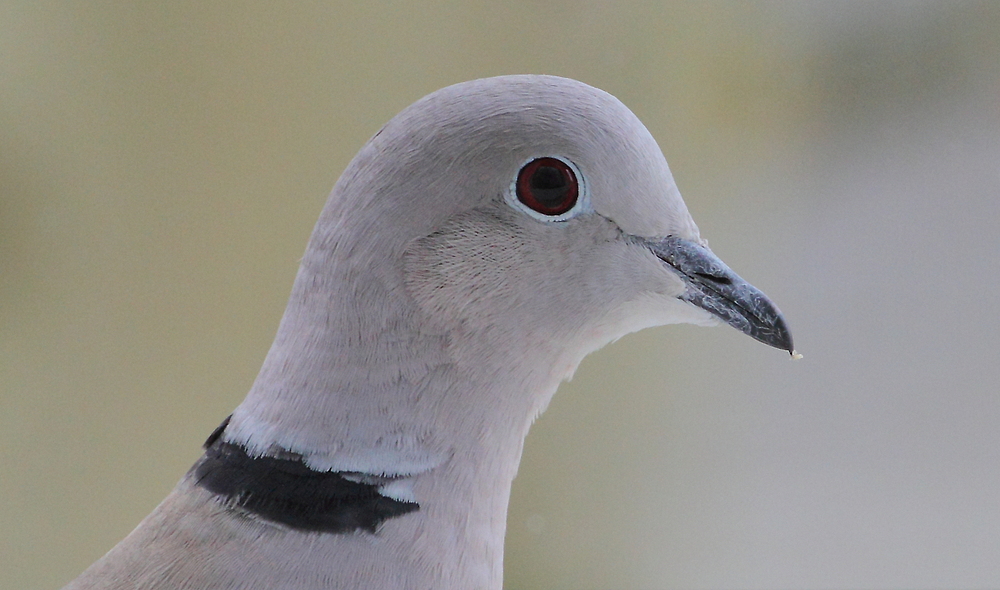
column 162, row 165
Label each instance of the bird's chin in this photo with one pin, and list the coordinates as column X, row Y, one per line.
column 700, row 317
column 647, row 312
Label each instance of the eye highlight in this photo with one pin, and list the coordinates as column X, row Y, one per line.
column 548, row 186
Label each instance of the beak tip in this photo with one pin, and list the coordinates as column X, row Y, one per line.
column 773, row 332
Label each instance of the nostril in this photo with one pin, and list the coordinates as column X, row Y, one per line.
column 721, row 280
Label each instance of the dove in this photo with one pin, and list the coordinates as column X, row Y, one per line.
column 476, row 249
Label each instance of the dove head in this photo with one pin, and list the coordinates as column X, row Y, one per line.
column 500, row 229
column 439, row 197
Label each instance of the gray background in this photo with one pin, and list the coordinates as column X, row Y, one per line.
column 162, row 165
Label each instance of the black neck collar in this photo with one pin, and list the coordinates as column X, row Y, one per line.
column 286, row 491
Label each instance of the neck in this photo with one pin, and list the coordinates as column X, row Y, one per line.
column 365, row 379
column 420, row 408
column 447, row 503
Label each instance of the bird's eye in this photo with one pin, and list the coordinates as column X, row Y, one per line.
column 548, row 186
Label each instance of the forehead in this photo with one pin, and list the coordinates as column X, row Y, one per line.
column 518, row 113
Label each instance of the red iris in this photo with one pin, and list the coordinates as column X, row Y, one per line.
column 547, row 185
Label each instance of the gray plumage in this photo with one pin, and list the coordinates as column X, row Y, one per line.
column 432, row 318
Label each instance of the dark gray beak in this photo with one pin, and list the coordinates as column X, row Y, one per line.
column 714, row 287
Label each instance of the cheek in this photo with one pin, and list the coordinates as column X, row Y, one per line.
column 468, row 273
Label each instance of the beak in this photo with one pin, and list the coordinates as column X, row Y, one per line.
column 714, row 287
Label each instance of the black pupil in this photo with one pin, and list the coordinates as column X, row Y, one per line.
column 549, row 186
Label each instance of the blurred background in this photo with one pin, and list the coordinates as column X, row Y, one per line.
column 162, row 165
